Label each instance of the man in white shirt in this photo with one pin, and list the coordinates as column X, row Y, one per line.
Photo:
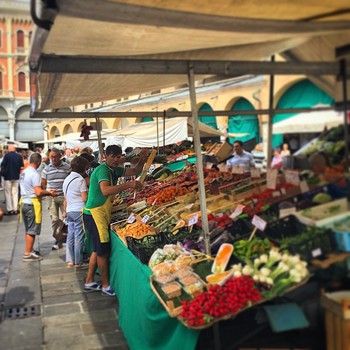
column 240, row 158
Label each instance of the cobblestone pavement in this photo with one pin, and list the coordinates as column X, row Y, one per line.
column 43, row 305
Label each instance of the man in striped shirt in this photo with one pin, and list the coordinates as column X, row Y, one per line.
column 52, row 178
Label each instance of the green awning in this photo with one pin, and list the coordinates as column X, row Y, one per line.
column 244, row 123
column 208, row 120
column 302, row 94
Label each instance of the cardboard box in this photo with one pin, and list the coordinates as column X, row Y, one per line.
column 337, row 318
column 219, row 152
column 319, row 214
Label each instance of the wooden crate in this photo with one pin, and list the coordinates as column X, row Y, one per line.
column 337, row 318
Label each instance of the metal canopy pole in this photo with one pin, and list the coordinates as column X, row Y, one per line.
column 164, row 116
column 99, row 138
column 199, row 162
column 345, row 100
column 270, row 120
column 157, row 137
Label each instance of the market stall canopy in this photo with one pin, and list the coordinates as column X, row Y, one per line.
column 309, row 122
column 145, row 134
column 75, row 136
column 104, row 50
column 4, row 142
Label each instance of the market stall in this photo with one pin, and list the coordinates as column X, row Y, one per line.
column 191, row 35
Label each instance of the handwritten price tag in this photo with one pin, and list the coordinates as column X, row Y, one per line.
column 304, row 187
column 237, row 170
column 271, row 179
column 209, row 165
column 131, row 218
column 193, row 219
column 238, row 211
column 255, row 173
column 259, row 223
column 180, row 223
column 276, row 194
column 145, row 218
column 292, row 177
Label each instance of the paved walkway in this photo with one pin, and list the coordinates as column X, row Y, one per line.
column 43, row 305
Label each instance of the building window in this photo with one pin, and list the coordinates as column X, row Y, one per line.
column 21, row 82
column 20, row 39
column 1, row 81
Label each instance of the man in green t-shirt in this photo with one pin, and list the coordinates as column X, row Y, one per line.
column 97, row 212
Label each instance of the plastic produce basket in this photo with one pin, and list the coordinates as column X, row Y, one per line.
column 240, row 228
column 182, row 235
column 297, row 238
column 144, row 247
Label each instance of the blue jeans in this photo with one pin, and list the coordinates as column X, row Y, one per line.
column 75, row 238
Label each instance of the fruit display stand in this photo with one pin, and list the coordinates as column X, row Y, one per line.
column 145, row 323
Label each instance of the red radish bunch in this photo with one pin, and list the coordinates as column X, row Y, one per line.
column 218, row 301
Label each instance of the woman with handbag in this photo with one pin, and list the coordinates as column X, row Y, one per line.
column 75, row 195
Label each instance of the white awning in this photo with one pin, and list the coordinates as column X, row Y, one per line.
column 309, row 122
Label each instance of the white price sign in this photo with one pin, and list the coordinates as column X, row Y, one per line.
column 271, row 178
column 255, row 173
column 145, row 218
column 237, row 170
column 209, row 165
column 193, row 219
column 276, row 194
column 238, row 211
column 292, row 177
column 131, row 218
column 154, row 202
column 287, row 211
column 304, row 187
column 259, row 223
column 316, row 252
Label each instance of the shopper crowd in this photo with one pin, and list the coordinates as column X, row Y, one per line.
column 78, row 191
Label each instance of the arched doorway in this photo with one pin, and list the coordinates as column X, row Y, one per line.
column 246, row 124
column 67, row 129
column 302, row 94
column 27, row 129
column 208, row 120
column 4, row 125
column 54, row 132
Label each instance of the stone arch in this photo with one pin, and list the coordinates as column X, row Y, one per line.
column 303, row 93
column 116, row 123
column 54, row 132
column 67, row 129
column 80, row 126
column 245, row 124
column 3, row 114
column 23, row 112
column 208, row 120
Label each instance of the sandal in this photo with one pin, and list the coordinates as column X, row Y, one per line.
column 70, row 265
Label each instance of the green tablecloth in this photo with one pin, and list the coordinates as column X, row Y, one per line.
column 176, row 166
column 145, row 323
